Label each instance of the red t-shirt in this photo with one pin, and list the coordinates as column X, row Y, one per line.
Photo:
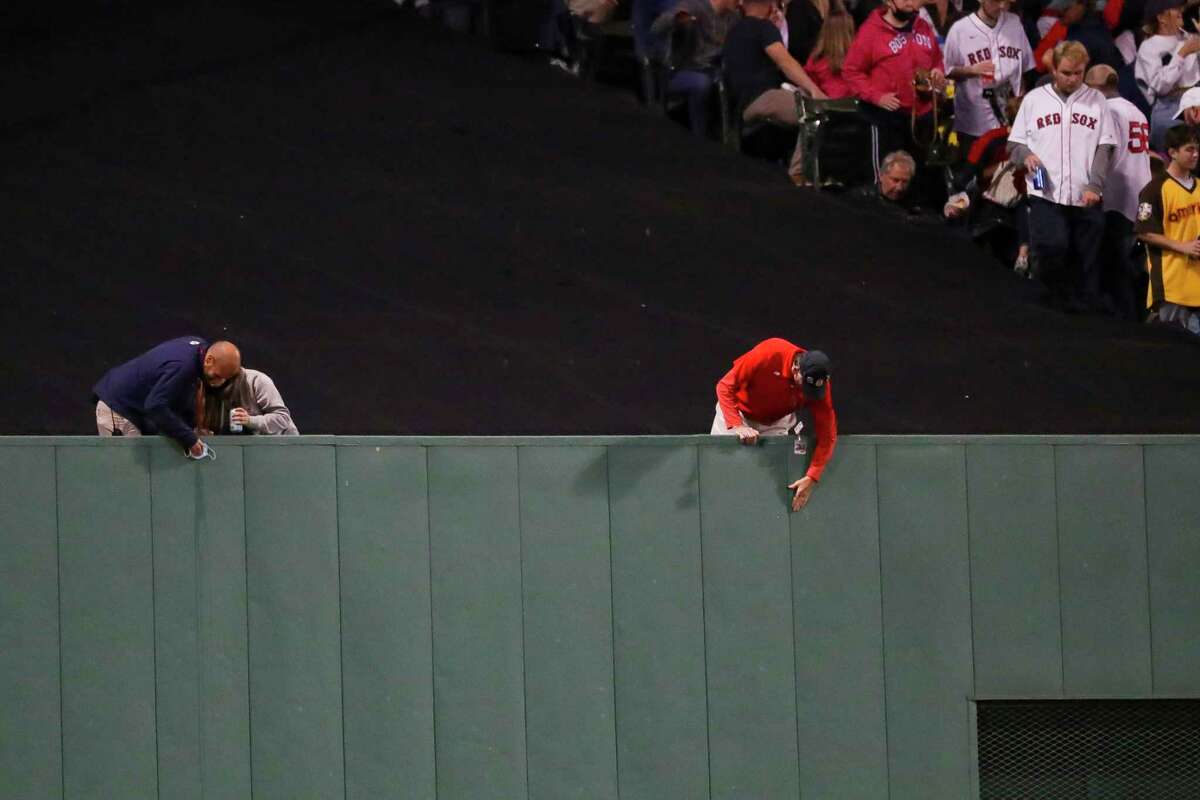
column 760, row 386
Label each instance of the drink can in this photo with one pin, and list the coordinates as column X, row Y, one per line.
column 1039, row 178
column 234, row 427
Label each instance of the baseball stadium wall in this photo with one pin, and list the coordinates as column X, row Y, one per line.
column 468, row 619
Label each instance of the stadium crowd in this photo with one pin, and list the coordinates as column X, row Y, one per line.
column 1039, row 128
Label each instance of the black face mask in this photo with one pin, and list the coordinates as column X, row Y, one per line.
column 903, row 16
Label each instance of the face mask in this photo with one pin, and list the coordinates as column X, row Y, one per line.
column 903, row 16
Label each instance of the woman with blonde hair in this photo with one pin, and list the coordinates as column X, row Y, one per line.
column 824, row 65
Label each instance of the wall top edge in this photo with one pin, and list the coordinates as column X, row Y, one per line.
column 1074, row 698
column 601, row 441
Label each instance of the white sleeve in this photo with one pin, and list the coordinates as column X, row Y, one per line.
column 1026, row 48
column 1120, row 132
column 1109, row 130
column 275, row 418
column 1020, row 126
column 951, row 57
column 1151, row 72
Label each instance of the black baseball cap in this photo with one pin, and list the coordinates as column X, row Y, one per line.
column 1156, row 7
column 814, row 373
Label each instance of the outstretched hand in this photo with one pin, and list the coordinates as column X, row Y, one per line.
column 803, row 489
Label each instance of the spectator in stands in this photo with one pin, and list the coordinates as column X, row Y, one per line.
column 1064, row 138
column 804, row 20
column 1122, row 19
column 756, row 63
column 986, row 56
column 828, row 56
column 249, row 400
column 763, row 393
column 893, row 190
column 1167, row 65
column 942, row 14
column 160, row 390
column 1168, row 221
column 557, row 36
column 1128, row 175
column 989, row 192
column 1081, row 23
column 892, row 51
column 895, row 178
column 1189, row 107
column 703, row 24
column 643, row 13
column 1067, row 11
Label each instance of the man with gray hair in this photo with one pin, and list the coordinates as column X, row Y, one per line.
column 896, row 172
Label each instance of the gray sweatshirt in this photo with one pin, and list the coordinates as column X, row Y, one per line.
column 268, row 414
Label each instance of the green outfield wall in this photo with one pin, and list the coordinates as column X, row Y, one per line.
column 467, row 619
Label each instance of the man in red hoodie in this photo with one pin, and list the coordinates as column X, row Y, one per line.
column 891, row 49
column 762, row 394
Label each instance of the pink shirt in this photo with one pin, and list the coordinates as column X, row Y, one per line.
column 831, row 83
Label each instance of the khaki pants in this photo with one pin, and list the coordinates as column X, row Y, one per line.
column 110, row 423
column 594, row 11
column 779, row 106
column 780, row 427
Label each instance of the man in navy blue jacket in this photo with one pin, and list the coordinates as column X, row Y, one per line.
column 157, row 391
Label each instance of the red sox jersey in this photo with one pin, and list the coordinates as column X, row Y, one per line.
column 1130, row 170
column 969, row 42
column 1064, row 135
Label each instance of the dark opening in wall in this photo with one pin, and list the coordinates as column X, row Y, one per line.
column 1089, row 749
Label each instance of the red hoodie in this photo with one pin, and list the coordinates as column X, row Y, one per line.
column 883, row 59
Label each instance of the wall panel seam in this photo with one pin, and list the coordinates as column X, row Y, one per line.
column 246, row 576
column 1062, row 647
column 970, row 570
column 201, row 681
column 62, row 723
column 612, row 621
column 337, row 488
column 966, row 473
column 432, row 637
column 1149, row 572
column 703, row 622
column 887, row 748
column 154, row 623
column 524, row 640
column 795, row 644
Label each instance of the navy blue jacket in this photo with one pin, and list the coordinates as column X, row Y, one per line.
column 157, row 390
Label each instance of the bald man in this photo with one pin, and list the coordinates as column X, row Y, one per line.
column 156, row 393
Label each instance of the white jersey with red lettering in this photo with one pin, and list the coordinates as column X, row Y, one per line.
column 971, row 41
column 1064, row 135
column 1130, row 170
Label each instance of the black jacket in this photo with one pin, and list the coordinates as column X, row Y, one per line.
column 157, row 390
